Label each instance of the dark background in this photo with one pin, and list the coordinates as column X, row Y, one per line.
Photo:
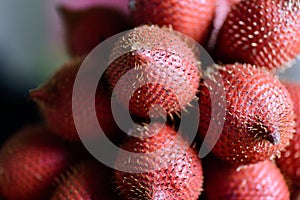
column 17, row 110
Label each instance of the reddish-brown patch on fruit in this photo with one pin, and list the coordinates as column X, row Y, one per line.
column 29, row 163
column 86, row 180
column 55, row 101
column 265, row 33
column 192, row 17
column 259, row 120
column 262, row 180
column 86, row 28
column 166, row 70
column 180, row 177
column 289, row 162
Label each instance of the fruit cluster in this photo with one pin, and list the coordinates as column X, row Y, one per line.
column 256, row 155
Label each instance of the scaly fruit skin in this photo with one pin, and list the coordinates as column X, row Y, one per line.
column 262, row 180
column 223, row 7
column 86, row 28
column 55, row 101
column 265, row 33
column 289, row 162
column 166, row 70
column 180, row 176
column 259, row 120
column 191, row 17
column 86, row 180
column 29, row 163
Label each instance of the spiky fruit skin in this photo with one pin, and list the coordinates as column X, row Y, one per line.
column 86, row 180
column 289, row 162
column 86, row 28
column 223, row 7
column 55, row 101
column 193, row 18
column 262, row 180
column 265, row 33
column 180, row 176
column 259, row 117
column 165, row 71
column 29, row 163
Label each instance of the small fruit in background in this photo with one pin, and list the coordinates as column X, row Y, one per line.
column 29, row 163
column 265, row 33
column 259, row 119
column 88, row 180
column 167, row 70
column 262, row 180
column 86, row 28
column 192, row 18
column 289, row 162
column 179, row 176
column 54, row 99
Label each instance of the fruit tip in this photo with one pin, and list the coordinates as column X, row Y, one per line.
column 274, row 138
column 38, row 94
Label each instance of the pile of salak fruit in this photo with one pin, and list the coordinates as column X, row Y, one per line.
column 255, row 143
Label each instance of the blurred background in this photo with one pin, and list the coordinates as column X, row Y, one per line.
column 32, row 48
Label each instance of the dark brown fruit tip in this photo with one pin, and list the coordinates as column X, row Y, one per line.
column 259, row 121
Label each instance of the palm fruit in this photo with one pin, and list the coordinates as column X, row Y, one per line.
column 265, row 33
column 29, row 163
column 86, row 180
column 259, row 121
column 289, row 162
column 55, row 101
column 262, row 180
column 178, row 176
column 193, row 18
column 86, row 28
column 223, row 7
column 162, row 68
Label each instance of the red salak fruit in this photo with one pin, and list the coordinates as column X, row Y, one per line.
column 265, row 33
column 289, row 162
column 55, row 101
column 154, row 65
column 223, row 7
column 191, row 17
column 262, row 180
column 167, row 167
column 86, row 28
column 259, row 119
column 88, row 180
column 29, row 163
